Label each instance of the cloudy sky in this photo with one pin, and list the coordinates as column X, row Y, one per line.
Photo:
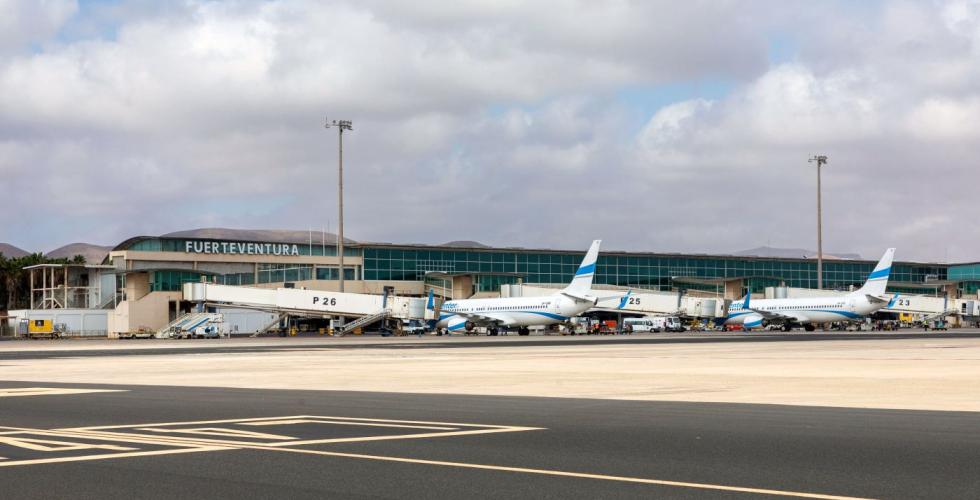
column 664, row 126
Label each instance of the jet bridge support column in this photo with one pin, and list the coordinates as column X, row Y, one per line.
column 733, row 289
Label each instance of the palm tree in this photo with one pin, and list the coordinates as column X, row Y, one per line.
column 3, row 279
column 9, row 271
column 15, row 277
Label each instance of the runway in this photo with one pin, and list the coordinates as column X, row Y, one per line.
column 468, row 447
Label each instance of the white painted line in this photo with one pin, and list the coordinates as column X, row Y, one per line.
column 218, row 431
column 51, row 445
column 49, row 391
column 525, row 470
column 198, row 445
column 198, row 422
column 199, row 441
column 355, row 419
column 403, row 436
column 334, row 422
column 244, row 421
column 582, row 475
column 110, row 455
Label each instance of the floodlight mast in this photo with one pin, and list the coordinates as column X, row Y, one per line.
column 340, row 125
column 820, row 160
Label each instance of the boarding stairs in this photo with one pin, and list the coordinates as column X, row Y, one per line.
column 934, row 320
column 274, row 323
column 187, row 324
column 363, row 321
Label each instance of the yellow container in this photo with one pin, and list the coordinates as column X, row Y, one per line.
column 40, row 326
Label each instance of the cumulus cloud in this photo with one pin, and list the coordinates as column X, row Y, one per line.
column 25, row 22
column 502, row 122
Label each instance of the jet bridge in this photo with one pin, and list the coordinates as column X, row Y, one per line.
column 639, row 301
column 306, row 302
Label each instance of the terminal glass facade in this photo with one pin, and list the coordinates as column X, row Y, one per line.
column 171, row 281
column 969, row 274
column 279, row 273
column 493, row 267
column 652, row 271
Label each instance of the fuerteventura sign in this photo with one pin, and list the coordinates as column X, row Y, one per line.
column 240, row 248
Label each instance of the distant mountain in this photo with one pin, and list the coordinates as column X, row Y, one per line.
column 794, row 253
column 283, row 235
column 465, row 244
column 93, row 253
column 11, row 251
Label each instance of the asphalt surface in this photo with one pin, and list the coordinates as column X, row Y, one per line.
column 39, row 349
column 711, row 448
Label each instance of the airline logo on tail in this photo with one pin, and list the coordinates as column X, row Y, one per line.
column 878, row 279
column 582, row 281
column 626, row 298
column 891, row 303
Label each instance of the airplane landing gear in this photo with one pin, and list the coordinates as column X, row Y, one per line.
column 809, row 327
column 524, row 331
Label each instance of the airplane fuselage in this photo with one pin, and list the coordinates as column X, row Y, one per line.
column 511, row 312
column 802, row 311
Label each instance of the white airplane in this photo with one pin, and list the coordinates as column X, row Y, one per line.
column 522, row 312
column 807, row 311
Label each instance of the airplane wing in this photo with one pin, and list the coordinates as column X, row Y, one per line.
column 774, row 316
column 479, row 319
column 876, row 300
column 581, row 298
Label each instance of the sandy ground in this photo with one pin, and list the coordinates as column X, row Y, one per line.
column 927, row 374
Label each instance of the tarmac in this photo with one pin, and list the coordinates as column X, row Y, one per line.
column 897, row 371
column 733, row 416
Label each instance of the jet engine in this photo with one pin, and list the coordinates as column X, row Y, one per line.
column 752, row 321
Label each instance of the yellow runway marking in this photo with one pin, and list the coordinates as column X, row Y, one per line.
column 49, row 391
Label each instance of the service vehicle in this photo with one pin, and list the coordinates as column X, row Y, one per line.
column 667, row 324
column 640, row 325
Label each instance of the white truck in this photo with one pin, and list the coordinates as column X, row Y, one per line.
column 655, row 324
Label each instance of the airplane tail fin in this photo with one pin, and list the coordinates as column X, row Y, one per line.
column 747, row 297
column 878, row 279
column 430, row 311
column 582, row 282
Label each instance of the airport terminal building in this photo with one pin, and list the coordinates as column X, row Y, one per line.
column 138, row 285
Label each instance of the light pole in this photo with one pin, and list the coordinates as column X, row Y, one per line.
column 341, row 125
column 821, row 160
